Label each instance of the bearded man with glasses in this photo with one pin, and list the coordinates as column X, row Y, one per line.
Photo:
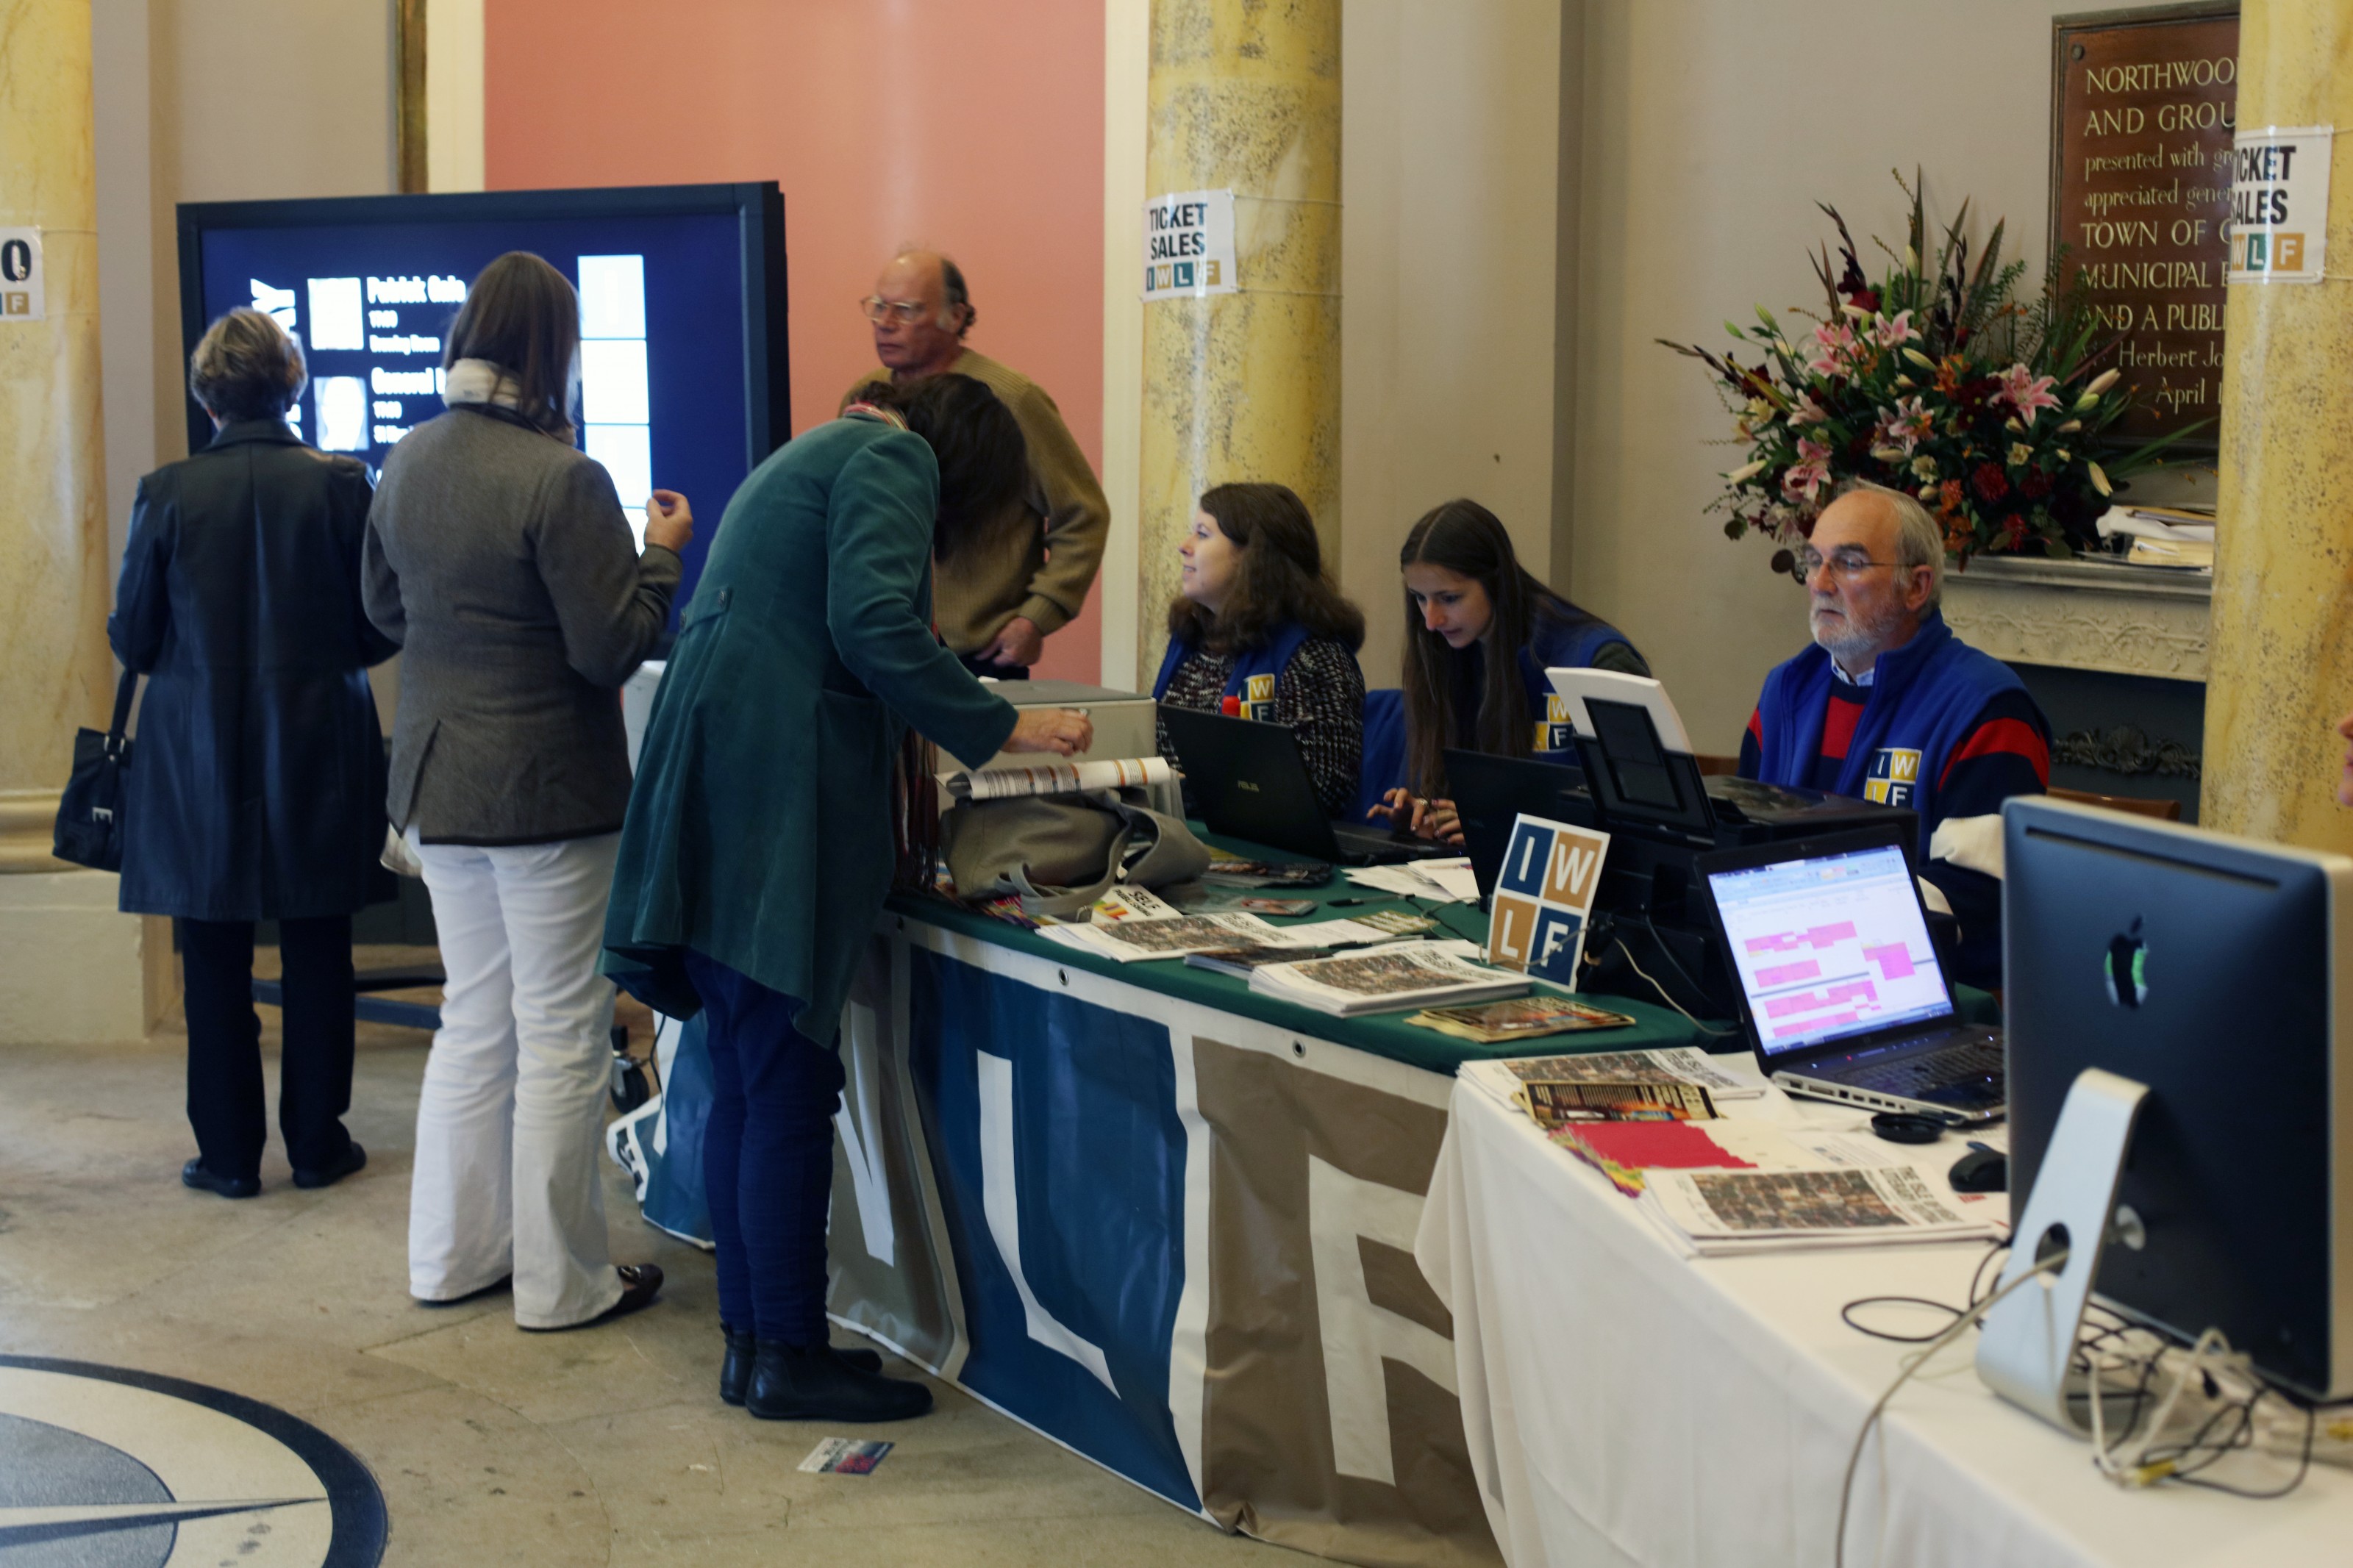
column 1889, row 705
column 1022, row 575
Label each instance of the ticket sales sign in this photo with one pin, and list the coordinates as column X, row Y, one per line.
column 1188, row 245
column 2279, row 204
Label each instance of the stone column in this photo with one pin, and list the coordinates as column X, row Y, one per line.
column 1244, row 96
column 55, row 671
column 69, row 966
column 2280, row 672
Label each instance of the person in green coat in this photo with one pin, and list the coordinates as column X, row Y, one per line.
column 760, row 841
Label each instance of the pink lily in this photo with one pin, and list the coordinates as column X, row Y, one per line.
column 2026, row 392
column 1810, row 473
column 1806, row 411
column 1905, row 425
column 1836, row 344
column 1895, row 330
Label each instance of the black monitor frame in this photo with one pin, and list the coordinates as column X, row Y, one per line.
column 758, row 207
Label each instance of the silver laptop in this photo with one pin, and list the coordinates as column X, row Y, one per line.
column 1843, row 996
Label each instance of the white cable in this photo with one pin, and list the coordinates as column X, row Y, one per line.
column 1669, row 1000
column 1914, row 1363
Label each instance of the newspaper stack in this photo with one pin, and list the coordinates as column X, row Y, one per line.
column 1725, row 1212
column 1387, row 980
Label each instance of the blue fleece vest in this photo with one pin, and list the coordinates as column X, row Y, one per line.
column 1925, row 698
column 1256, row 669
column 1559, row 644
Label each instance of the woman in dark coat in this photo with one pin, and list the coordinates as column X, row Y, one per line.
column 759, row 846
column 257, row 791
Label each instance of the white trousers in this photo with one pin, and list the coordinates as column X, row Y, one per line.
column 508, row 1123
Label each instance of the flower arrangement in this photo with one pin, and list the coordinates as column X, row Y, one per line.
column 1938, row 381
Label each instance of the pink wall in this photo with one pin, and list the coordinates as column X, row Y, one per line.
column 975, row 127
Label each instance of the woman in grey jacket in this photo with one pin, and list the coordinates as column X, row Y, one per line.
column 499, row 557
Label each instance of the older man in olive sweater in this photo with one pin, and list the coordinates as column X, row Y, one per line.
column 1025, row 578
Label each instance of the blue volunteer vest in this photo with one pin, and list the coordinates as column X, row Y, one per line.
column 1559, row 644
column 1255, row 674
column 1925, row 698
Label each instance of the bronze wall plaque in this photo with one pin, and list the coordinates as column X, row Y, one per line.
column 2143, row 104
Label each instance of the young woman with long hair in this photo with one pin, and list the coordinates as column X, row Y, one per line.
column 1260, row 630
column 1480, row 633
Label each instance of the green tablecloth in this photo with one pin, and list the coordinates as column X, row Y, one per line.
column 1383, row 1033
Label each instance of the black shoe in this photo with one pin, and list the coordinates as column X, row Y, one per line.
column 735, row 1366
column 354, row 1159
column 193, row 1174
column 640, row 1283
column 818, row 1385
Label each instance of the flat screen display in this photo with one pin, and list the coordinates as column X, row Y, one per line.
column 681, row 321
column 1830, row 946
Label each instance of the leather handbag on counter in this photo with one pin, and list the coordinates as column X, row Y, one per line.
column 1057, row 854
column 89, row 813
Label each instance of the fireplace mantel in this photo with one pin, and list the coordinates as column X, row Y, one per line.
column 2083, row 615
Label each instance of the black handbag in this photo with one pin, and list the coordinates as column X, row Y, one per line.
column 90, row 816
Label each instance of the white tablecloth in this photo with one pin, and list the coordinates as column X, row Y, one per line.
column 1625, row 1404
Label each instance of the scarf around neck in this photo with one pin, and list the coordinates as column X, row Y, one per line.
column 480, row 381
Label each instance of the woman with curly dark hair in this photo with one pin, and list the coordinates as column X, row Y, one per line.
column 1258, row 630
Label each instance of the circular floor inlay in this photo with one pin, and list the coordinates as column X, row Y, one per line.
column 103, row 1468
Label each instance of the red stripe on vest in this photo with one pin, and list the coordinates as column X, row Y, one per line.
column 2012, row 735
column 1838, row 727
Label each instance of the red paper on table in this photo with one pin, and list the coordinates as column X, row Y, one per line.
column 1622, row 1151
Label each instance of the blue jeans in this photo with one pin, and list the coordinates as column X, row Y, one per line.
column 767, row 1156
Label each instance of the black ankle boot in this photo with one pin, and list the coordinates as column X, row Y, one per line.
column 735, row 1366
column 818, row 1385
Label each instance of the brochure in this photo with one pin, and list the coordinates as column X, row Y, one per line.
column 1679, row 1064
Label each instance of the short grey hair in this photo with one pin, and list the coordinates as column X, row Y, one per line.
column 1918, row 541
column 246, row 366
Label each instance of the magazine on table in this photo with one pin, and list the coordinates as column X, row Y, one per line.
column 1387, row 980
column 1674, row 1064
column 1231, row 870
column 1720, row 1212
column 1552, row 1105
column 1519, row 1018
column 1058, row 778
column 1242, row 963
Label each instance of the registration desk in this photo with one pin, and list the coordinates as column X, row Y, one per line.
column 1626, row 1405
column 1167, row 1223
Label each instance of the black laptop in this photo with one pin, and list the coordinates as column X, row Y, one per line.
column 1249, row 781
column 1492, row 793
column 1842, row 993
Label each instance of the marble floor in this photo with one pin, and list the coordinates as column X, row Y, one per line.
column 608, row 1445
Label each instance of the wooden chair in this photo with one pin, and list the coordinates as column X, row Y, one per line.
column 1716, row 767
column 2163, row 810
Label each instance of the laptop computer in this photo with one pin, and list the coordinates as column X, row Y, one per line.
column 1249, row 781
column 1842, row 993
column 1492, row 793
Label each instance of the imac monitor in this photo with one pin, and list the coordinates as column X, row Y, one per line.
column 683, row 353
column 2207, row 968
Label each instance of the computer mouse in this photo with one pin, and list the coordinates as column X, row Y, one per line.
column 1901, row 1126
column 1981, row 1171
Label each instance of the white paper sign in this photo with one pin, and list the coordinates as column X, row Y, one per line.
column 2279, row 204
column 1188, row 245
column 20, row 275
